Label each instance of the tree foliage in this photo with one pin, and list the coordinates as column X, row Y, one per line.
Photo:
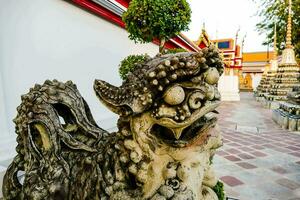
column 176, row 50
column 219, row 190
column 156, row 19
column 276, row 11
column 129, row 63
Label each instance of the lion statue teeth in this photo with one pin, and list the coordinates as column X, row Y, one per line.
column 167, row 135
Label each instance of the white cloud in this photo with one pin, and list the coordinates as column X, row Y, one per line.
column 223, row 18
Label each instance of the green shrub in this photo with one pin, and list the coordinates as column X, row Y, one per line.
column 176, row 50
column 162, row 19
column 219, row 190
column 129, row 63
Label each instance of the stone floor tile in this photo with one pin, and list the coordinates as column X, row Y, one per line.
column 251, row 193
column 288, row 183
column 221, row 153
column 231, row 181
column 296, row 193
column 227, row 168
column 258, row 147
column 246, row 143
column 245, row 156
column 279, row 170
column 291, row 142
column 297, row 154
column 256, row 176
column 280, row 193
column 284, row 150
column 246, row 149
column 294, row 177
column 293, row 148
column 233, row 151
column 258, row 154
column 272, row 140
column 246, row 165
column 279, row 144
column 235, row 144
column 268, row 145
column 232, row 158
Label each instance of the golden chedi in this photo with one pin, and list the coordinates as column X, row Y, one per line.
column 263, row 84
column 288, row 72
column 271, row 74
column 287, row 87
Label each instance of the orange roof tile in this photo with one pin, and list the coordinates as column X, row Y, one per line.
column 257, row 56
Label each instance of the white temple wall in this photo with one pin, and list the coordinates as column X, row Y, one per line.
column 255, row 80
column 52, row 39
column 3, row 119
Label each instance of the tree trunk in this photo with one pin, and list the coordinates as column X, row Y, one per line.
column 162, row 45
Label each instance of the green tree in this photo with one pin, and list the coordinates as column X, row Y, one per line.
column 131, row 62
column 276, row 11
column 156, row 19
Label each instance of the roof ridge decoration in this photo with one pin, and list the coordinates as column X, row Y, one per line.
column 203, row 37
column 288, row 54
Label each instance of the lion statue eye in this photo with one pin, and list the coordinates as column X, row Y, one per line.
column 174, row 95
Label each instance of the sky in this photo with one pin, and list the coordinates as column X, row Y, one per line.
column 223, row 18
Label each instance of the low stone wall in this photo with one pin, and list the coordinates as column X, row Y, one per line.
column 285, row 120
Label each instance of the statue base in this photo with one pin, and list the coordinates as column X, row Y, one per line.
column 229, row 88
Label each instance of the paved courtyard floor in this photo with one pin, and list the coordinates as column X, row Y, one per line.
column 259, row 160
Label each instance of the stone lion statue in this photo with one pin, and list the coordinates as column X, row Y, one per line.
column 166, row 138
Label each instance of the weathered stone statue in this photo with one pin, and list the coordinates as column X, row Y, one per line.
column 167, row 135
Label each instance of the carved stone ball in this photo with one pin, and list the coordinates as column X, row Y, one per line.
column 166, row 191
column 174, row 95
column 212, row 76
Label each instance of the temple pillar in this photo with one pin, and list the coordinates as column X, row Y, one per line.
column 229, row 86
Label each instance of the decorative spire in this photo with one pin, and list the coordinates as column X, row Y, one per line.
column 203, row 26
column 289, row 28
column 237, row 35
column 288, row 54
column 275, row 43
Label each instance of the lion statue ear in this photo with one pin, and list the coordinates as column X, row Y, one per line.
column 124, row 100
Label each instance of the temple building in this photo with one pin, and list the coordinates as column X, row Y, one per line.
column 232, row 54
column 254, row 68
column 229, row 82
column 248, row 67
